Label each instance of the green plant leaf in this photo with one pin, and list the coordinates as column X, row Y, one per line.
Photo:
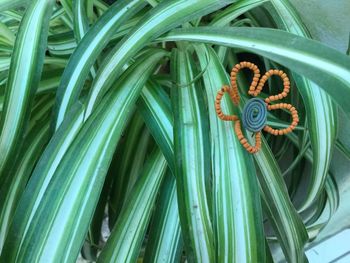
column 331, row 189
column 81, row 24
column 286, row 222
column 238, row 215
column 68, row 8
column 9, row 4
column 233, row 11
column 79, row 176
column 13, row 186
column 321, row 64
column 7, row 37
column 192, row 167
column 165, row 16
column 320, row 111
column 96, row 233
column 277, row 206
column 165, row 241
column 154, row 105
column 126, row 109
column 80, row 19
column 24, row 75
column 126, row 238
column 39, row 182
column 131, row 157
column 343, row 149
column 87, row 52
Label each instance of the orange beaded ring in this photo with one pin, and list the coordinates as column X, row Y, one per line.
column 254, row 90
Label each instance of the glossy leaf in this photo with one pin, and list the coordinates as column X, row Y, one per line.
column 126, row 238
column 283, row 217
column 238, row 214
column 86, row 53
column 79, row 175
column 80, row 20
column 320, row 111
column 321, row 64
column 165, row 16
column 24, row 75
column 285, row 220
column 192, row 168
column 235, row 10
column 131, row 157
column 165, row 240
column 126, row 110
column 14, row 186
column 154, row 105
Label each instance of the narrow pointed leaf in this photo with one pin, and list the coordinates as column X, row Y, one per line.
column 320, row 110
column 235, row 10
column 59, row 222
column 192, row 167
column 162, row 18
column 126, row 238
column 238, row 214
column 285, row 220
column 39, row 182
column 323, row 65
column 24, row 75
column 14, row 186
column 87, row 52
column 154, row 105
column 165, row 241
column 80, row 20
column 129, row 165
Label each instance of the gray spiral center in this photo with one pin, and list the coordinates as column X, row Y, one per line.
column 254, row 115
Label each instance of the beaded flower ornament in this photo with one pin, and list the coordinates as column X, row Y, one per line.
column 254, row 113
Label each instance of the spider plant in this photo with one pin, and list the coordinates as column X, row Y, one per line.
column 111, row 149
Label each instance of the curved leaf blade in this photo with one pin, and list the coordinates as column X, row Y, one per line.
column 79, row 176
column 321, row 64
column 14, row 186
column 126, row 238
column 165, row 240
column 320, row 110
column 285, row 220
column 24, row 75
column 85, row 55
column 235, row 10
column 192, row 167
column 154, row 106
column 163, row 17
column 238, row 212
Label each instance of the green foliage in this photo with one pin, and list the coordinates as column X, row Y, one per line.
column 110, row 146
